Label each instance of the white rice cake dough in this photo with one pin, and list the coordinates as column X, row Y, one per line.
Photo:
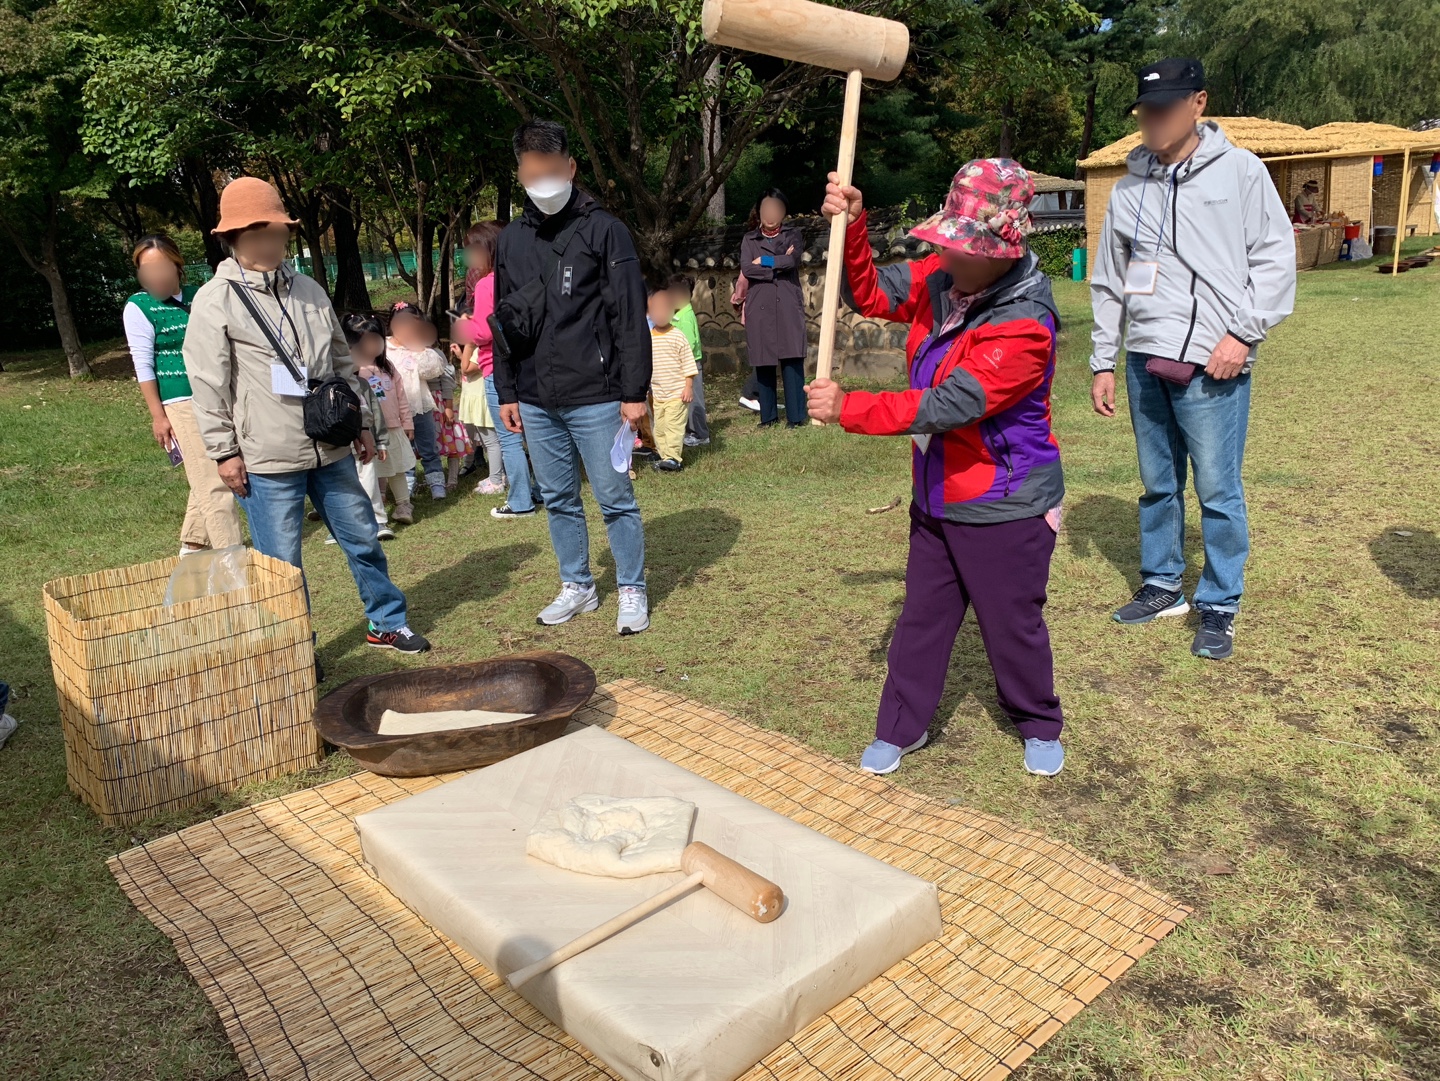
column 616, row 838
column 409, row 724
column 696, row 992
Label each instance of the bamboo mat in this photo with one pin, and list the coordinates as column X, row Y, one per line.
column 318, row 972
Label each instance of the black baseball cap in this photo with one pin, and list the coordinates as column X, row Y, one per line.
column 1169, row 80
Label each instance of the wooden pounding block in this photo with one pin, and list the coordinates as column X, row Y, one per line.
column 697, row 991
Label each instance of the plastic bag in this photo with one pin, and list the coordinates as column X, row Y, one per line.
column 205, row 574
column 1360, row 249
column 624, row 448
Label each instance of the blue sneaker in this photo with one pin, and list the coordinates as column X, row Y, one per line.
column 881, row 757
column 1044, row 756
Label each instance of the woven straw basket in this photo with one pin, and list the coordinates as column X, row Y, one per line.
column 165, row 707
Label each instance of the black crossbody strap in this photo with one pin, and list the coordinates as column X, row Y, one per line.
column 284, row 358
column 562, row 241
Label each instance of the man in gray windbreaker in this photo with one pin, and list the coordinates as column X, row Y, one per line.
column 1196, row 264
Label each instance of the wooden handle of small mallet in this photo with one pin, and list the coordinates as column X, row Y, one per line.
column 835, row 263
column 757, row 897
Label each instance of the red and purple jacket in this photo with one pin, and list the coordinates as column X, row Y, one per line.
column 979, row 398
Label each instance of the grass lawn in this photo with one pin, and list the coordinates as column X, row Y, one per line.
column 1289, row 795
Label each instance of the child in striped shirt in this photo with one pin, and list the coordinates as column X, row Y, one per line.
column 672, row 380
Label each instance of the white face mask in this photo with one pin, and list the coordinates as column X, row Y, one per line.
column 550, row 195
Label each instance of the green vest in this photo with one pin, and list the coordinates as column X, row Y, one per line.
column 169, row 318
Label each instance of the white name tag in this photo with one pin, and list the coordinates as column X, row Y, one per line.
column 1140, row 278
column 284, row 384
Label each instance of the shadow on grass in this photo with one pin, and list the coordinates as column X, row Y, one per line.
column 1105, row 524
column 1409, row 557
column 681, row 547
column 479, row 577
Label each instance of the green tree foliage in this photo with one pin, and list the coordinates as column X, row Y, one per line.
column 45, row 175
column 1313, row 61
column 660, row 117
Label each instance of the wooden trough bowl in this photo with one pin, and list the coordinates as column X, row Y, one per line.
column 551, row 686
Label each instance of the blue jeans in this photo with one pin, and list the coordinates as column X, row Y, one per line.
column 275, row 508
column 560, row 441
column 1205, row 422
column 512, row 453
column 427, row 450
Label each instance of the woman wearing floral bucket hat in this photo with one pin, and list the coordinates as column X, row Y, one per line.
column 988, row 486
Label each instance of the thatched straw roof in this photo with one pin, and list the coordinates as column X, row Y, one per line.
column 1344, row 135
column 1258, row 136
column 1044, row 182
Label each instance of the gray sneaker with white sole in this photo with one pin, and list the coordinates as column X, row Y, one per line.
column 572, row 600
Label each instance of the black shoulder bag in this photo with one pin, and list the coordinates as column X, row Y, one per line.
column 519, row 318
column 331, row 408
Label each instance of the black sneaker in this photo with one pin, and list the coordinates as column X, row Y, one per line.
column 1151, row 602
column 319, row 672
column 1215, row 640
column 405, row 640
column 669, row 465
column 504, row 511
column 646, row 454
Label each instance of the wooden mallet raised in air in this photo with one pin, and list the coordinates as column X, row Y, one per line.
column 863, row 46
column 757, row 897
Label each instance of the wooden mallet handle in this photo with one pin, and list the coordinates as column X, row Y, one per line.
column 835, row 263
column 757, row 897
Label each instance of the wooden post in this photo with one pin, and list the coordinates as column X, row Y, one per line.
column 1403, row 213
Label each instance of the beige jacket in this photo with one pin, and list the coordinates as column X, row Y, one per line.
column 229, row 363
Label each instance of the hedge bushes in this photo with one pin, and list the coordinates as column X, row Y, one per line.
column 1054, row 250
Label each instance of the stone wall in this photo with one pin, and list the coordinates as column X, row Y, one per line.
column 864, row 348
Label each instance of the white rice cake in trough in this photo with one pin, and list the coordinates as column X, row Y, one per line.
column 696, row 992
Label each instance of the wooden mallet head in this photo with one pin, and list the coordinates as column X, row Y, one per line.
column 809, row 33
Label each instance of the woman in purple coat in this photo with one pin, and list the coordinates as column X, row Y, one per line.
column 775, row 308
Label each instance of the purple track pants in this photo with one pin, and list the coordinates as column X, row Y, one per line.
column 1001, row 571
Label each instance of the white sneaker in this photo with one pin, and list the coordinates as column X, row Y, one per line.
column 572, row 601
column 330, row 539
column 8, row 724
column 634, row 611
column 751, row 404
column 385, row 533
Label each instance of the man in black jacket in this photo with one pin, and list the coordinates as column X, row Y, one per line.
column 587, row 374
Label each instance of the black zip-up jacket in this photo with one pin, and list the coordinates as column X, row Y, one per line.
column 595, row 342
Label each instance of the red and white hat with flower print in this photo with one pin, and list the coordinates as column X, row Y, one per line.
column 987, row 211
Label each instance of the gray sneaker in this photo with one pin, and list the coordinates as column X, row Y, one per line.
column 634, row 611
column 8, row 724
column 573, row 600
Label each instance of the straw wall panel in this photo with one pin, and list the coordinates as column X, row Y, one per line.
column 1350, row 190
column 162, row 708
column 1098, row 184
column 1387, row 193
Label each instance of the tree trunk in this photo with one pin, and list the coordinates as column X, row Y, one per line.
column 1006, row 149
column 312, row 231
column 199, row 178
column 1088, row 132
column 504, row 192
column 655, row 245
column 60, row 301
column 443, row 301
column 351, row 291
column 425, row 267
column 710, row 125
